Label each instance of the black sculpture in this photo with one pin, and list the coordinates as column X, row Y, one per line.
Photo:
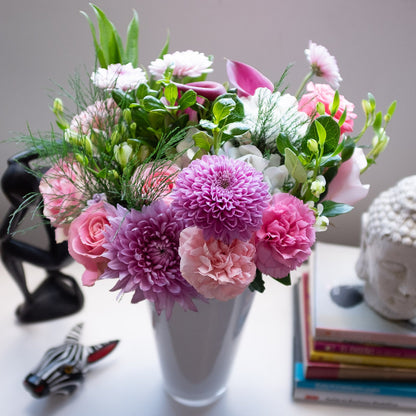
column 58, row 295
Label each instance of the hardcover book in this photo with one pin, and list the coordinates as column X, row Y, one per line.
column 338, row 311
column 335, row 370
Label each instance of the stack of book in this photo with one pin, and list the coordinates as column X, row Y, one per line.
column 344, row 352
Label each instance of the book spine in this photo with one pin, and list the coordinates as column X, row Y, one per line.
column 364, row 349
column 360, row 400
column 361, row 359
column 355, row 386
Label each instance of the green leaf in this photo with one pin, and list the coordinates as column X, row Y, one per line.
column 321, row 133
column 206, row 124
column 142, row 91
column 258, row 283
column 378, row 121
column 335, row 103
column 222, row 108
column 187, row 100
column 282, row 142
column 108, row 37
column 171, row 93
column 332, row 209
column 348, row 150
column 332, row 132
column 203, row 140
column 151, row 103
column 372, row 101
column 98, row 50
column 329, row 161
column 236, row 129
column 284, row 280
column 132, row 42
column 165, row 48
column 392, row 108
column 294, row 166
column 342, row 119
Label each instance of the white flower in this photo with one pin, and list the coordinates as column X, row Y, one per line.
column 184, row 64
column 323, row 64
column 272, row 114
column 117, row 76
column 274, row 174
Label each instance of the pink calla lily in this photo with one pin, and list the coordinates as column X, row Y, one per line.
column 246, row 78
column 346, row 187
column 208, row 89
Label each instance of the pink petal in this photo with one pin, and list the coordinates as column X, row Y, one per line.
column 246, row 78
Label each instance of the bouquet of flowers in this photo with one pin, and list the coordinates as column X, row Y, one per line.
column 178, row 187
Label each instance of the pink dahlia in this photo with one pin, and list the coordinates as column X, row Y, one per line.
column 323, row 64
column 142, row 248
column 222, row 196
column 185, row 64
column 284, row 241
column 217, row 270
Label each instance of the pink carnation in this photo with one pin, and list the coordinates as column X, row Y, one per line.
column 100, row 116
column 284, row 241
column 215, row 269
column 85, row 241
column 61, row 196
column 323, row 93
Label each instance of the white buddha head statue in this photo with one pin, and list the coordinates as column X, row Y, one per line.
column 387, row 261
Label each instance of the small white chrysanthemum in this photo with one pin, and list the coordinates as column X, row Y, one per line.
column 117, row 76
column 185, row 64
column 272, row 114
column 323, row 64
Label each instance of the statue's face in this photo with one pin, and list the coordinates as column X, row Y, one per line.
column 389, row 270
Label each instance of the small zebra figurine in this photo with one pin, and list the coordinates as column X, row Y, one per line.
column 62, row 368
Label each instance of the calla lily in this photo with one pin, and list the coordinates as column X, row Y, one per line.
column 346, row 187
column 208, row 89
column 246, row 78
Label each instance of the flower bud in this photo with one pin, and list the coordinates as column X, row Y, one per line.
column 321, row 223
column 127, row 115
column 312, row 145
column 318, row 186
column 87, row 145
column 58, row 106
column 122, row 154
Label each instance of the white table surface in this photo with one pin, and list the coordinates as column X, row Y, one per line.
column 128, row 382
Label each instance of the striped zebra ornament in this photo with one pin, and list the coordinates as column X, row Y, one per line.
column 62, row 368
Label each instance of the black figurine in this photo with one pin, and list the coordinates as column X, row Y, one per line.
column 58, row 295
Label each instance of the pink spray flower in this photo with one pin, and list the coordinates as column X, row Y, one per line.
column 323, row 93
column 346, row 187
column 100, row 116
column 323, row 64
column 85, row 241
column 284, row 241
column 154, row 181
column 246, row 78
column 215, row 269
column 61, row 195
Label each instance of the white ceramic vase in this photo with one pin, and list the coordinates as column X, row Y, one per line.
column 197, row 349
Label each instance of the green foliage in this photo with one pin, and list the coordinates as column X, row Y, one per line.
column 108, row 46
column 332, row 209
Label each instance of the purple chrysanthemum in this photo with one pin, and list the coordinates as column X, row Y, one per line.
column 224, row 197
column 142, row 247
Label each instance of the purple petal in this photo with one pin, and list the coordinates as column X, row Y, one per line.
column 208, row 89
column 246, row 78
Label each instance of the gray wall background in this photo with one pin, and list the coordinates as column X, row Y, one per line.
column 42, row 42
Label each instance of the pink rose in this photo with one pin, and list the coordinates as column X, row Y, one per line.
column 246, row 78
column 346, row 187
column 85, row 241
column 285, row 238
column 155, row 181
column 323, row 93
column 215, row 269
column 61, row 196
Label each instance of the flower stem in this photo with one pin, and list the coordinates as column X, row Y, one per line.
column 302, row 85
